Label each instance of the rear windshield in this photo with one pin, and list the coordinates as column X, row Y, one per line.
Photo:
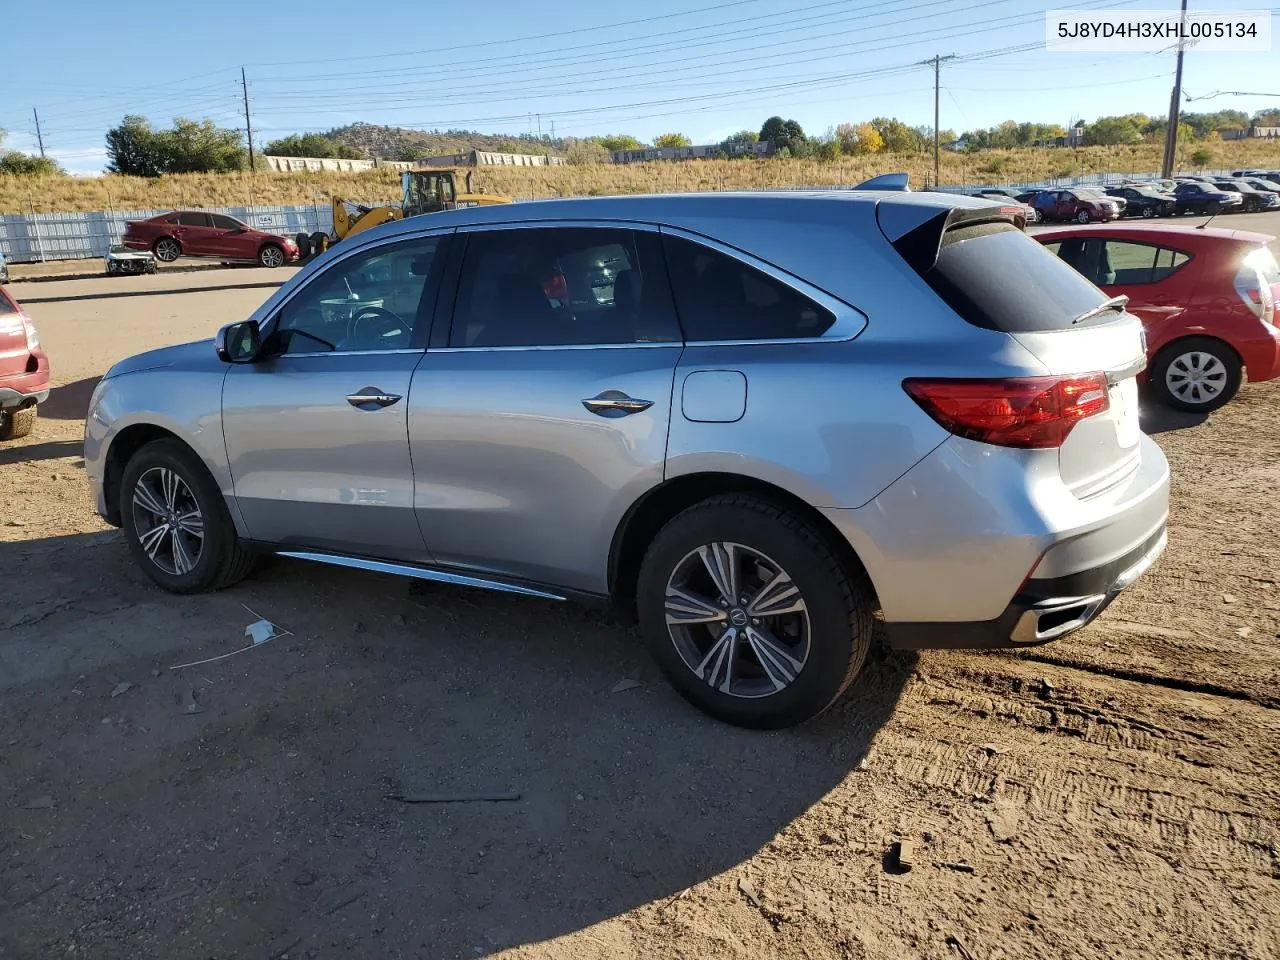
column 995, row 276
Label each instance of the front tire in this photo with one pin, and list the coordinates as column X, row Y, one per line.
column 1148, row 213
column 1196, row 374
column 786, row 646
column 16, row 424
column 303, row 242
column 176, row 521
column 319, row 242
column 1082, row 216
column 167, row 249
column 271, row 255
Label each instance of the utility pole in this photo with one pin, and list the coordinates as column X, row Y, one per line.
column 39, row 135
column 1175, row 104
column 937, row 88
column 248, row 125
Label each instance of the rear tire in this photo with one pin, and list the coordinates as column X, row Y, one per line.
column 1196, row 374
column 167, row 249
column 163, row 481
column 768, row 671
column 16, row 424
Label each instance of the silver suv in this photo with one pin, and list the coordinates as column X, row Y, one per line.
column 754, row 421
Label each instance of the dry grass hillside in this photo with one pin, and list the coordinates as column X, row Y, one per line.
column 67, row 194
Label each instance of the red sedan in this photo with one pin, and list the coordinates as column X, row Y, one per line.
column 196, row 233
column 1207, row 298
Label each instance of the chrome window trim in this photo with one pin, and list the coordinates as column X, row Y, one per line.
column 346, row 255
column 849, row 323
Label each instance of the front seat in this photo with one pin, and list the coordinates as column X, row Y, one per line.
column 520, row 313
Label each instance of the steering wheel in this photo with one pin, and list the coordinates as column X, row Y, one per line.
column 373, row 328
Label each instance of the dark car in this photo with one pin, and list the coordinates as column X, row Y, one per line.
column 198, row 233
column 1144, row 202
column 1265, row 184
column 1082, row 206
column 1205, row 198
column 4, row 268
column 1252, row 200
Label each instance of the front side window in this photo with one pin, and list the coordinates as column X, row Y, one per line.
column 562, row 286
column 374, row 300
column 719, row 297
column 222, row 222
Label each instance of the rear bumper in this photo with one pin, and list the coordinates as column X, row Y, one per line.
column 1261, row 354
column 24, row 389
column 1044, row 611
column 973, row 537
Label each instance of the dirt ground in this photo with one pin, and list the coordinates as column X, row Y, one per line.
column 1112, row 795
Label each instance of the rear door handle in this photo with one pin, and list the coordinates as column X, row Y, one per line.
column 615, row 403
column 371, row 398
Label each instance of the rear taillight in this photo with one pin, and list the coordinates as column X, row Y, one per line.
column 1254, row 290
column 33, row 340
column 1024, row 412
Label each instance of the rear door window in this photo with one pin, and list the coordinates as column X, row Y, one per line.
column 996, row 277
column 562, row 286
column 721, row 298
column 193, row 219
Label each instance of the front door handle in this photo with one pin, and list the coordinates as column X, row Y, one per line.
column 615, row 403
column 371, row 398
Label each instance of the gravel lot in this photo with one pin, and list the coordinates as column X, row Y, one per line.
column 1111, row 795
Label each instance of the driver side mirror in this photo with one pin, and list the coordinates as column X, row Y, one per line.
column 238, row 342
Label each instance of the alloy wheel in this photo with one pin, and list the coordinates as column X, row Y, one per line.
column 168, row 250
column 168, row 521
column 737, row 620
column 1196, row 377
column 271, row 256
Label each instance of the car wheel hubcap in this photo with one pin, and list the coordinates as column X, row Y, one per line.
column 272, row 257
column 1196, row 377
column 167, row 520
column 167, row 250
column 737, row 620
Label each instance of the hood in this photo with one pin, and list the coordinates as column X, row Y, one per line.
column 197, row 355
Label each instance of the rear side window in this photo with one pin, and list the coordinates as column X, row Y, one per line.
column 719, row 297
column 193, row 219
column 996, row 277
column 1121, row 263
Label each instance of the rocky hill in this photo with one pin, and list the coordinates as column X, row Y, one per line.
column 398, row 143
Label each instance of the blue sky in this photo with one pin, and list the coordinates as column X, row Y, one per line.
column 702, row 67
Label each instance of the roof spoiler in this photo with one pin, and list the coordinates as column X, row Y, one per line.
column 886, row 181
column 917, row 234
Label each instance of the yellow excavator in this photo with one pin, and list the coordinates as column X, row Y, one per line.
column 421, row 191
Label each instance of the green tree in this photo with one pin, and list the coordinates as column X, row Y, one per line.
column 1202, row 157
column 136, row 149
column 670, row 140
column 590, row 150
column 1111, row 131
column 828, row 150
column 784, row 134
column 1266, row 118
column 26, row 164
column 734, row 144
column 846, row 135
column 311, row 145
column 897, row 136
column 620, row 141
column 133, row 149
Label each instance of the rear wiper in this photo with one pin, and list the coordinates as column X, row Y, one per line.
column 1115, row 303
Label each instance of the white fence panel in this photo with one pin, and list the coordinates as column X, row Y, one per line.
column 80, row 236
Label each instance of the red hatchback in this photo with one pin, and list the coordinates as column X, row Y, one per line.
column 24, row 370
column 196, row 233
column 1207, row 298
